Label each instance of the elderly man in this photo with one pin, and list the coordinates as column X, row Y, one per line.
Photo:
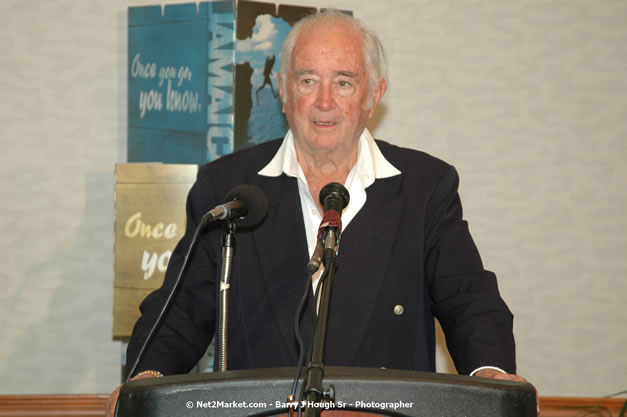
column 406, row 254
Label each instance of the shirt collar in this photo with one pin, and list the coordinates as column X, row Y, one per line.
column 370, row 165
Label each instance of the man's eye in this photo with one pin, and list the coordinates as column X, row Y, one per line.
column 345, row 84
column 307, row 81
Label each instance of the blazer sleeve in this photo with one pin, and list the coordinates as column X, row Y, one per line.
column 476, row 321
column 189, row 325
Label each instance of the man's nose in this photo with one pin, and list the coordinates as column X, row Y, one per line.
column 326, row 98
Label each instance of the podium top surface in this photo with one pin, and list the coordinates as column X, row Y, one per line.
column 263, row 392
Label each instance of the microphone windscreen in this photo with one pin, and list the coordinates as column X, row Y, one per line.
column 255, row 200
column 334, row 196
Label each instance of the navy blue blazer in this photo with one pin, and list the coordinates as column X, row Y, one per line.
column 408, row 246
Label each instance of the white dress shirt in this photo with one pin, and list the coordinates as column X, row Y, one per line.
column 370, row 165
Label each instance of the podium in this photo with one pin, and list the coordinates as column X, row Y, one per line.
column 384, row 392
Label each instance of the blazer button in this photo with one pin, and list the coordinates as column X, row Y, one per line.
column 398, row 309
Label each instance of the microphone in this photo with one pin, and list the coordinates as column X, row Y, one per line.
column 246, row 204
column 334, row 198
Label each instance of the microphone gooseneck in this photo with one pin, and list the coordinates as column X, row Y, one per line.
column 250, row 206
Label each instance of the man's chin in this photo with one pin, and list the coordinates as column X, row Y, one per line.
column 332, row 141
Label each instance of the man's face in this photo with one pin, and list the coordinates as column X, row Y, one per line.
column 327, row 101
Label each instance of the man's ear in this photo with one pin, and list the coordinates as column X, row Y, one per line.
column 379, row 92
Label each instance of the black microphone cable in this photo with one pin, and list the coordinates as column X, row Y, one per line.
column 299, row 337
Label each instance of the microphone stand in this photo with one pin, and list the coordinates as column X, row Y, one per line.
column 228, row 241
column 313, row 389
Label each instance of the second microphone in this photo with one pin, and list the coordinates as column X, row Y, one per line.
column 334, row 198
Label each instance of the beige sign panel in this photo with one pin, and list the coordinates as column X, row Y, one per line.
column 149, row 222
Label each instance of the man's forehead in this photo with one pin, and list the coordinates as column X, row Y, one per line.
column 328, row 52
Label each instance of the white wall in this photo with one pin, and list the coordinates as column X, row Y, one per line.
column 527, row 98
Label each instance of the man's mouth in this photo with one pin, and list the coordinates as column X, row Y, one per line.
column 320, row 123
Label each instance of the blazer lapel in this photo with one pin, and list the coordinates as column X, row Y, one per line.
column 364, row 254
